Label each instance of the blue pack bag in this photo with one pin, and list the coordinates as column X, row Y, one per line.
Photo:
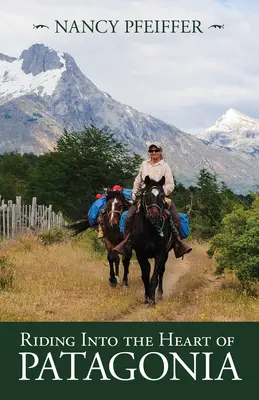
column 99, row 204
column 95, row 209
column 127, row 193
column 185, row 225
column 122, row 221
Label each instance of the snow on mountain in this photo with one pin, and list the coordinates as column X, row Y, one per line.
column 44, row 91
column 15, row 81
column 234, row 130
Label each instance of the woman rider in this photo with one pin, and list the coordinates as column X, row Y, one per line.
column 156, row 168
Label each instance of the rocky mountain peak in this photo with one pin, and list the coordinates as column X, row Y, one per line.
column 40, row 58
column 234, row 130
column 4, row 57
column 233, row 116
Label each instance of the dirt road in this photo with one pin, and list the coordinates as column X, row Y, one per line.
column 175, row 269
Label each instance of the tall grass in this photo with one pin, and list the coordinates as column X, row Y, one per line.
column 65, row 281
column 68, row 281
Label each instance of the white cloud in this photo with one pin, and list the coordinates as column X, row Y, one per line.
column 187, row 80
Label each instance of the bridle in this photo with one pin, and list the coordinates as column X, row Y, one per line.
column 147, row 207
column 160, row 221
column 113, row 211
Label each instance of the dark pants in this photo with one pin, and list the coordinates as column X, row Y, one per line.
column 130, row 218
column 132, row 212
column 175, row 216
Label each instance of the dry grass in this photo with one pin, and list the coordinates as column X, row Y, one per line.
column 61, row 282
column 201, row 296
column 69, row 282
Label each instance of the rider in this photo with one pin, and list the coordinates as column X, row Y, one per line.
column 100, row 218
column 156, row 168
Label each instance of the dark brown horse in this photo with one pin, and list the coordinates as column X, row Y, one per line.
column 116, row 203
column 152, row 237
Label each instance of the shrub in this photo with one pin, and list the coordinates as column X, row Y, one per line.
column 54, row 235
column 96, row 244
column 201, row 228
column 236, row 247
column 7, row 273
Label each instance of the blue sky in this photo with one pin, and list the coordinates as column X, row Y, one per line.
column 186, row 80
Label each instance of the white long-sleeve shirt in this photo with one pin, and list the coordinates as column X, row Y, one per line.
column 155, row 172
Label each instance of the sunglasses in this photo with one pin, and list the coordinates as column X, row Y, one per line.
column 154, row 151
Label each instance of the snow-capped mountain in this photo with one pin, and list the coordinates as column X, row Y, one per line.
column 234, row 130
column 43, row 91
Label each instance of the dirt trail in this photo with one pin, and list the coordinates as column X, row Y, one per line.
column 175, row 269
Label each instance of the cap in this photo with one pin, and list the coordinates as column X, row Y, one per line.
column 117, row 187
column 156, row 144
column 98, row 196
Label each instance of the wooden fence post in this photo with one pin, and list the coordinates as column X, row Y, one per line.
column 16, row 217
column 33, row 211
column 49, row 216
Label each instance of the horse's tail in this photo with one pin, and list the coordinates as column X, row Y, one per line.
column 79, row 226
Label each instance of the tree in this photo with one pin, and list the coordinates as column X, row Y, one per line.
column 82, row 164
column 182, row 197
column 15, row 172
column 236, row 247
column 229, row 200
column 206, row 210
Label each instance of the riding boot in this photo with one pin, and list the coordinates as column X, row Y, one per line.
column 181, row 248
column 120, row 248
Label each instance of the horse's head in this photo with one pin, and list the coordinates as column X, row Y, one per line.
column 153, row 198
column 115, row 201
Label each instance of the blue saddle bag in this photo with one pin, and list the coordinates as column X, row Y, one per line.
column 185, row 225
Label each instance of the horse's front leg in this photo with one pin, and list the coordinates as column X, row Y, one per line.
column 126, row 261
column 145, row 269
column 160, row 280
column 112, row 280
column 116, row 259
column 159, row 268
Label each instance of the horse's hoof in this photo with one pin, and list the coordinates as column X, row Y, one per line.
column 146, row 300
column 125, row 284
column 117, row 278
column 152, row 303
column 159, row 296
column 112, row 283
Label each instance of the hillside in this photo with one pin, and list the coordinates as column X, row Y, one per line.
column 44, row 91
